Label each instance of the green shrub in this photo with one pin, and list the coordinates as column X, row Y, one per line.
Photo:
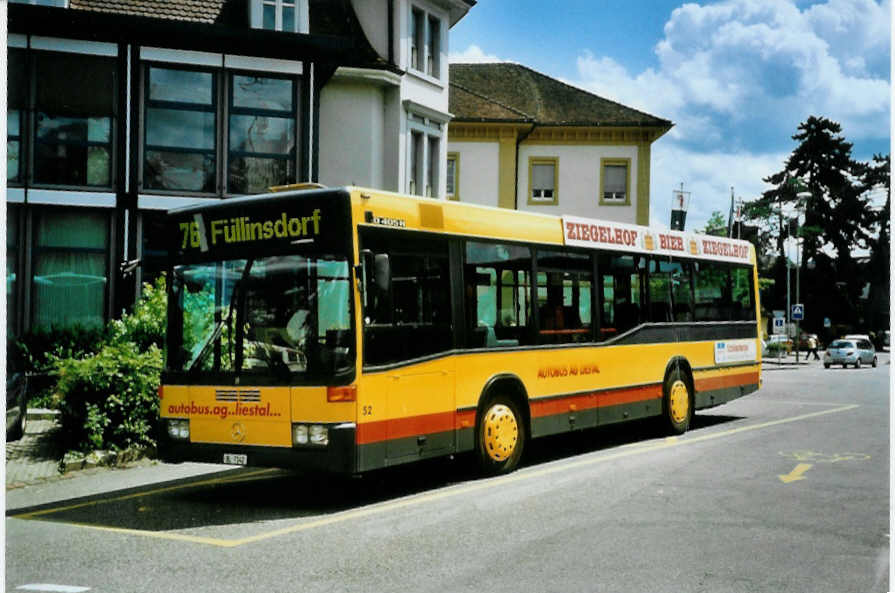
column 39, row 350
column 146, row 324
column 109, row 399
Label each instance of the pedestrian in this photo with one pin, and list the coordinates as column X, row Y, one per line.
column 812, row 347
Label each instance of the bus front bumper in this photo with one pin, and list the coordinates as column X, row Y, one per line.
column 338, row 456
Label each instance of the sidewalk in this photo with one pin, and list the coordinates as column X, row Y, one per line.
column 36, row 458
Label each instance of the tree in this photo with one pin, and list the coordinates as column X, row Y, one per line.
column 716, row 225
column 821, row 180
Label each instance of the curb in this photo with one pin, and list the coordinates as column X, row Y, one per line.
column 43, row 414
column 74, row 461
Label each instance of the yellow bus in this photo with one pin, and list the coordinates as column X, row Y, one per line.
column 352, row 329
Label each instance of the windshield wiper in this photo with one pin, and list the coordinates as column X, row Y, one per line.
column 219, row 326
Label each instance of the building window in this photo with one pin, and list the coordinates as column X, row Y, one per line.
column 261, row 150
column 543, row 181
column 423, row 155
column 12, row 268
column 182, row 139
column 425, row 42
column 452, row 180
column 279, row 15
column 73, row 122
column 180, row 130
column 614, row 181
column 433, row 47
column 70, row 268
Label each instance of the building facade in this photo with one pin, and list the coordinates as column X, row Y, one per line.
column 522, row 140
column 384, row 124
column 119, row 110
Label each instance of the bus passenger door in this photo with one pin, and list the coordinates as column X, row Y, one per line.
column 420, row 407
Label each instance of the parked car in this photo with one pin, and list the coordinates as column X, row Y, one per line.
column 16, row 399
column 846, row 352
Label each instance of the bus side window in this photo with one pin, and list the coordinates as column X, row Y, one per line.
column 413, row 319
column 565, row 282
column 497, row 285
column 623, row 294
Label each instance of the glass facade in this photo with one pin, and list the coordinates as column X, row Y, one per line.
column 262, row 133
column 70, row 263
column 180, row 130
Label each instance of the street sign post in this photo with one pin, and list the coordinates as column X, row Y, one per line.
column 779, row 325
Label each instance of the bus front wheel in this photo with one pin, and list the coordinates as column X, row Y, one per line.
column 677, row 402
column 500, row 436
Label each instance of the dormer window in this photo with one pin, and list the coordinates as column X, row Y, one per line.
column 289, row 16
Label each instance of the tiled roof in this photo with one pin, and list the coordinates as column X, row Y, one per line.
column 199, row 11
column 512, row 92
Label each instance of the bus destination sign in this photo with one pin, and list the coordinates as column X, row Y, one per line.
column 233, row 229
column 616, row 236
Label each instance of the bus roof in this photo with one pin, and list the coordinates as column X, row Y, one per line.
column 380, row 208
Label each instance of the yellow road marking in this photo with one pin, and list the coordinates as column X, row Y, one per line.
column 798, row 473
column 89, row 503
column 418, row 499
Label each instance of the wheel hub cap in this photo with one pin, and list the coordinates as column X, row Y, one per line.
column 680, row 401
column 501, row 432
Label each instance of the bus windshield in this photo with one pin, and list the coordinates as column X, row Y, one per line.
column 278, row 316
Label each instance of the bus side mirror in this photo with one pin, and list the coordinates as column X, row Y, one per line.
column 382, row 273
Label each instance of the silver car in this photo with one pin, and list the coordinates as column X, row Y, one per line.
column 846, row 352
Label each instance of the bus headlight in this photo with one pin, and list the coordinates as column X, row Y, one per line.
column 179, row 429
column 319, row 435
column 299, row 434
column 316, row 435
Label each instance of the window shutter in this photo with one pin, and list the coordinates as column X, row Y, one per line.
column 542, row 176
column 615, row 180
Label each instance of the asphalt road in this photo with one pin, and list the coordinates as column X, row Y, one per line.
column 784, row 490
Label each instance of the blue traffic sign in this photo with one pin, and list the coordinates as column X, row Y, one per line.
column 798, row 312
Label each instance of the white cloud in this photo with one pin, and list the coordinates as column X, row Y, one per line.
column 709, row 177
column 737, row 77
column 759, row 66
column 472, row 54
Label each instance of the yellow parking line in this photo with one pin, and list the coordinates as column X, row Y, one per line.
column 423, row 498
column 240, row 478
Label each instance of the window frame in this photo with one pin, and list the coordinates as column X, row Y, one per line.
column 539, row 201
column 422, row 167
column 426, row 43
column 28, row 127
column 223, row 109
column 216, row 110
column 300, row 24
column 228, row 109
column 37, row 250
column 615, row 162
column 455, row 194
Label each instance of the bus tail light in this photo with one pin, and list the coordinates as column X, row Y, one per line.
column 347, row 393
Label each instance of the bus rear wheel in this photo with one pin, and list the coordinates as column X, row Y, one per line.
column 677, row 402
column 500, row 436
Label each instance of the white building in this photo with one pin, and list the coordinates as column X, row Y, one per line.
column 522, row 140
column 385, row 124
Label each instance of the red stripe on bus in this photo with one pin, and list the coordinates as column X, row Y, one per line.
column 712, row 383
column 596, row 399
column 399, row 428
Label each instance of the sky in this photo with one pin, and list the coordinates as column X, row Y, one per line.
column 736, row 77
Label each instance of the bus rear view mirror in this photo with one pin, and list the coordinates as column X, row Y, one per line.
column 382, row 273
